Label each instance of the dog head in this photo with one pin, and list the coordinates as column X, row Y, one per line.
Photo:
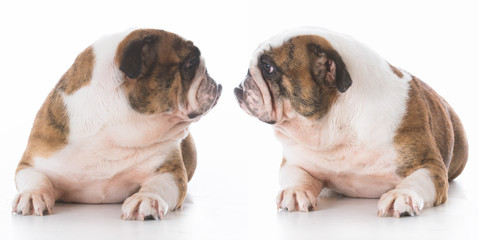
column 164, row 73
column 301, row 75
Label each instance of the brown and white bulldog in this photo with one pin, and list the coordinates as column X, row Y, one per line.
column 351, row 122
column 115, row 127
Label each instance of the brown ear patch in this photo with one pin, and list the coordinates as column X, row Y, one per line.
column 327, row 64
column 138, row 55
column 426, row 137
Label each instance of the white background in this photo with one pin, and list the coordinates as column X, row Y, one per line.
column 232, row 195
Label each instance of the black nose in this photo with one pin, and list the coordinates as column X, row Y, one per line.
column 218, row 95
column 239, row 92
column 194, row 115
column 219, row 90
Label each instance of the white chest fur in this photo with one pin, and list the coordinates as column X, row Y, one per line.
column 97, row 170
column 106, row 160
column 351, row 167
column 354, row 171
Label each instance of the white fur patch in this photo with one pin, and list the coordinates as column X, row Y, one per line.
column 35, row 195
column 156, row 197
column 165, row 185
column 300, row 190
column 29, row 179
column 410, row 196
column 102, row 100
column 356, row 171
column 142, row 205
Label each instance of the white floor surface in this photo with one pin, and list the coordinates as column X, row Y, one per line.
column 224, row 205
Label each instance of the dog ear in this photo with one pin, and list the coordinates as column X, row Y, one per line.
column 137, row 56
column 328, row 66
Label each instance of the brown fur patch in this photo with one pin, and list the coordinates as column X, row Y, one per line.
column 154, row 64
column 188, row 152
column 396, row 71
column 79, row 74
column 460, row 147
column 310, row 94
column 50, row 130
column 51, row 126
column 427, row 138
column 175, row 166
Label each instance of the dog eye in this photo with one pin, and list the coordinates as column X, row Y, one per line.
column 267, row 68
column 192, row 63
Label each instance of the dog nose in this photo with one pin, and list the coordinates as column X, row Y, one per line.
column 219, row 90
column 194, row 115
column 239, row 92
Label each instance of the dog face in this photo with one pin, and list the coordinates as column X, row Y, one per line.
column 165, row 74
column 302, row 76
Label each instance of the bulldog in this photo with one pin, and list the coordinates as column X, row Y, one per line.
column 116, row 127
column 351, row 122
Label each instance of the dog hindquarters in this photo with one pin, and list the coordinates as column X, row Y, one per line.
column 188, row 152
column 460, row 147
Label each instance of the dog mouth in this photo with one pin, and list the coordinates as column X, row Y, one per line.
column 256, row 100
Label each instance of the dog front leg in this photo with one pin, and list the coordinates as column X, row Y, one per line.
column 163, row 192
column 300, row 190
column 35, row 193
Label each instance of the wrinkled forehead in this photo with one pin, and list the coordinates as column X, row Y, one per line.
column 166, row 43
column 182, row 46
column 279, row 40
column 176, row 47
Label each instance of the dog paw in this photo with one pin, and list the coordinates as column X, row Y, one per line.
column 400, row 202
column 33, row 203
column 144, row 206
column 297, row 199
